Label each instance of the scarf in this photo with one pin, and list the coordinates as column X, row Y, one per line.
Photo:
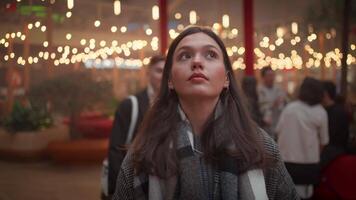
column 195, row 174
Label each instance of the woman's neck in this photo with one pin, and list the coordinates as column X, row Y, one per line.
column 198, row 112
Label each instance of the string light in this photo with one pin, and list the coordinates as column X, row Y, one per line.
column 225, row 21
column 113, row 29
column 155, row 12
column 117, row 7
column 97, row 23
column 69, row 14
column 193, row 17
column 70, row 4
column 178, row 16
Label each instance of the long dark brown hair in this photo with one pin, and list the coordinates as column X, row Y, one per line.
column 152, row 148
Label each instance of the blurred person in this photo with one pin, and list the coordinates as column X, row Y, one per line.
column 338, row 123
column 249, row 87
column 272, row 100
column 198, row 141
column 123, row 119
column 302, row 132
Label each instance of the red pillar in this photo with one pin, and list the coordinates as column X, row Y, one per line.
column 248, row 33
column 163, row 25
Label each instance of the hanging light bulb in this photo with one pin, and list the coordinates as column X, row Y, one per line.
column 226, row 21
column 117, row 7
column 193, row 17
column 155, row 12
column 70, row 4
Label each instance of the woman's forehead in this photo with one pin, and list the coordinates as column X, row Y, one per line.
column 196, row 41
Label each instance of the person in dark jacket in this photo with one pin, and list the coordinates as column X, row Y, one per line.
column 122, row 119
column 338, row 122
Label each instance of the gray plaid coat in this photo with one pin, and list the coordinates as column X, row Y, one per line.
column 279, row 185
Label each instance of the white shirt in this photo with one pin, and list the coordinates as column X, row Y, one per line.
column 301, row 130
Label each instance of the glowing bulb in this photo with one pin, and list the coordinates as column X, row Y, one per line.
column 234, row 31
column 117, row 7
column 69, row 14
column 178, row 16
column 148, row 31
column 97, row 23
column 123, row 29
column 155, row 12
column 113, row 29
column 294, row 28
column 83, row 42
column 225, row 21
column 102, row 43
column 37, row 24
column 43, row 28
column 45, row 44
column 70, row 4
column 69, row 36
column 30, row 26
column 193, row 17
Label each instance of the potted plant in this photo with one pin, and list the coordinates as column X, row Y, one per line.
column 27, row 131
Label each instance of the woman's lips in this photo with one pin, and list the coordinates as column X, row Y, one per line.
column 197, row 77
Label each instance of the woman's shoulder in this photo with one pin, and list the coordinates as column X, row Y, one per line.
column 269, row 144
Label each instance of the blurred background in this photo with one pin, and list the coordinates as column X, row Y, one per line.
column 65, row 65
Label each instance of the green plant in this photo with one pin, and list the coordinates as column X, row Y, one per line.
column 29, row 118
column 70, row 94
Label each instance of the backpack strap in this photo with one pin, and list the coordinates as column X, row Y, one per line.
column 134, row 116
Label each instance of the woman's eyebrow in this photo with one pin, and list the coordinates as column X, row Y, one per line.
column 204, row 47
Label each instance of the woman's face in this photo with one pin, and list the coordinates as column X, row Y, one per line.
column 198, row 68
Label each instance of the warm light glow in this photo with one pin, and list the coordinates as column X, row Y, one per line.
column 18, row 34
column 178, row 16
column 234, row 31
column 43, row 28
column 280, row 32
column 241, row 50
column 353, row 47
column 69, row 36
column 102, row 43
column 123, row 29
column 13, row 35
column 225, row 21
column 155, row 12
column 37, row 24
column 97, row 23
column 193, row 17
column 113, row 29
column 69, row 14
column 30, row 26
column 70, row 4
column 272, row 47
column 83, row 42
column 45, row 44
column 148, row 31
column 294, row 28
column 117, row 7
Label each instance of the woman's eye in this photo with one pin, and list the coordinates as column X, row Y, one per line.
column 184, row 56
column 211, row 54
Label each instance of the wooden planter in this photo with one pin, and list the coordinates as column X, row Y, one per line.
column 31, row 145
column 80, row 151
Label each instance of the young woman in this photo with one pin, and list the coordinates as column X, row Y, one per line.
column 198, row 141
